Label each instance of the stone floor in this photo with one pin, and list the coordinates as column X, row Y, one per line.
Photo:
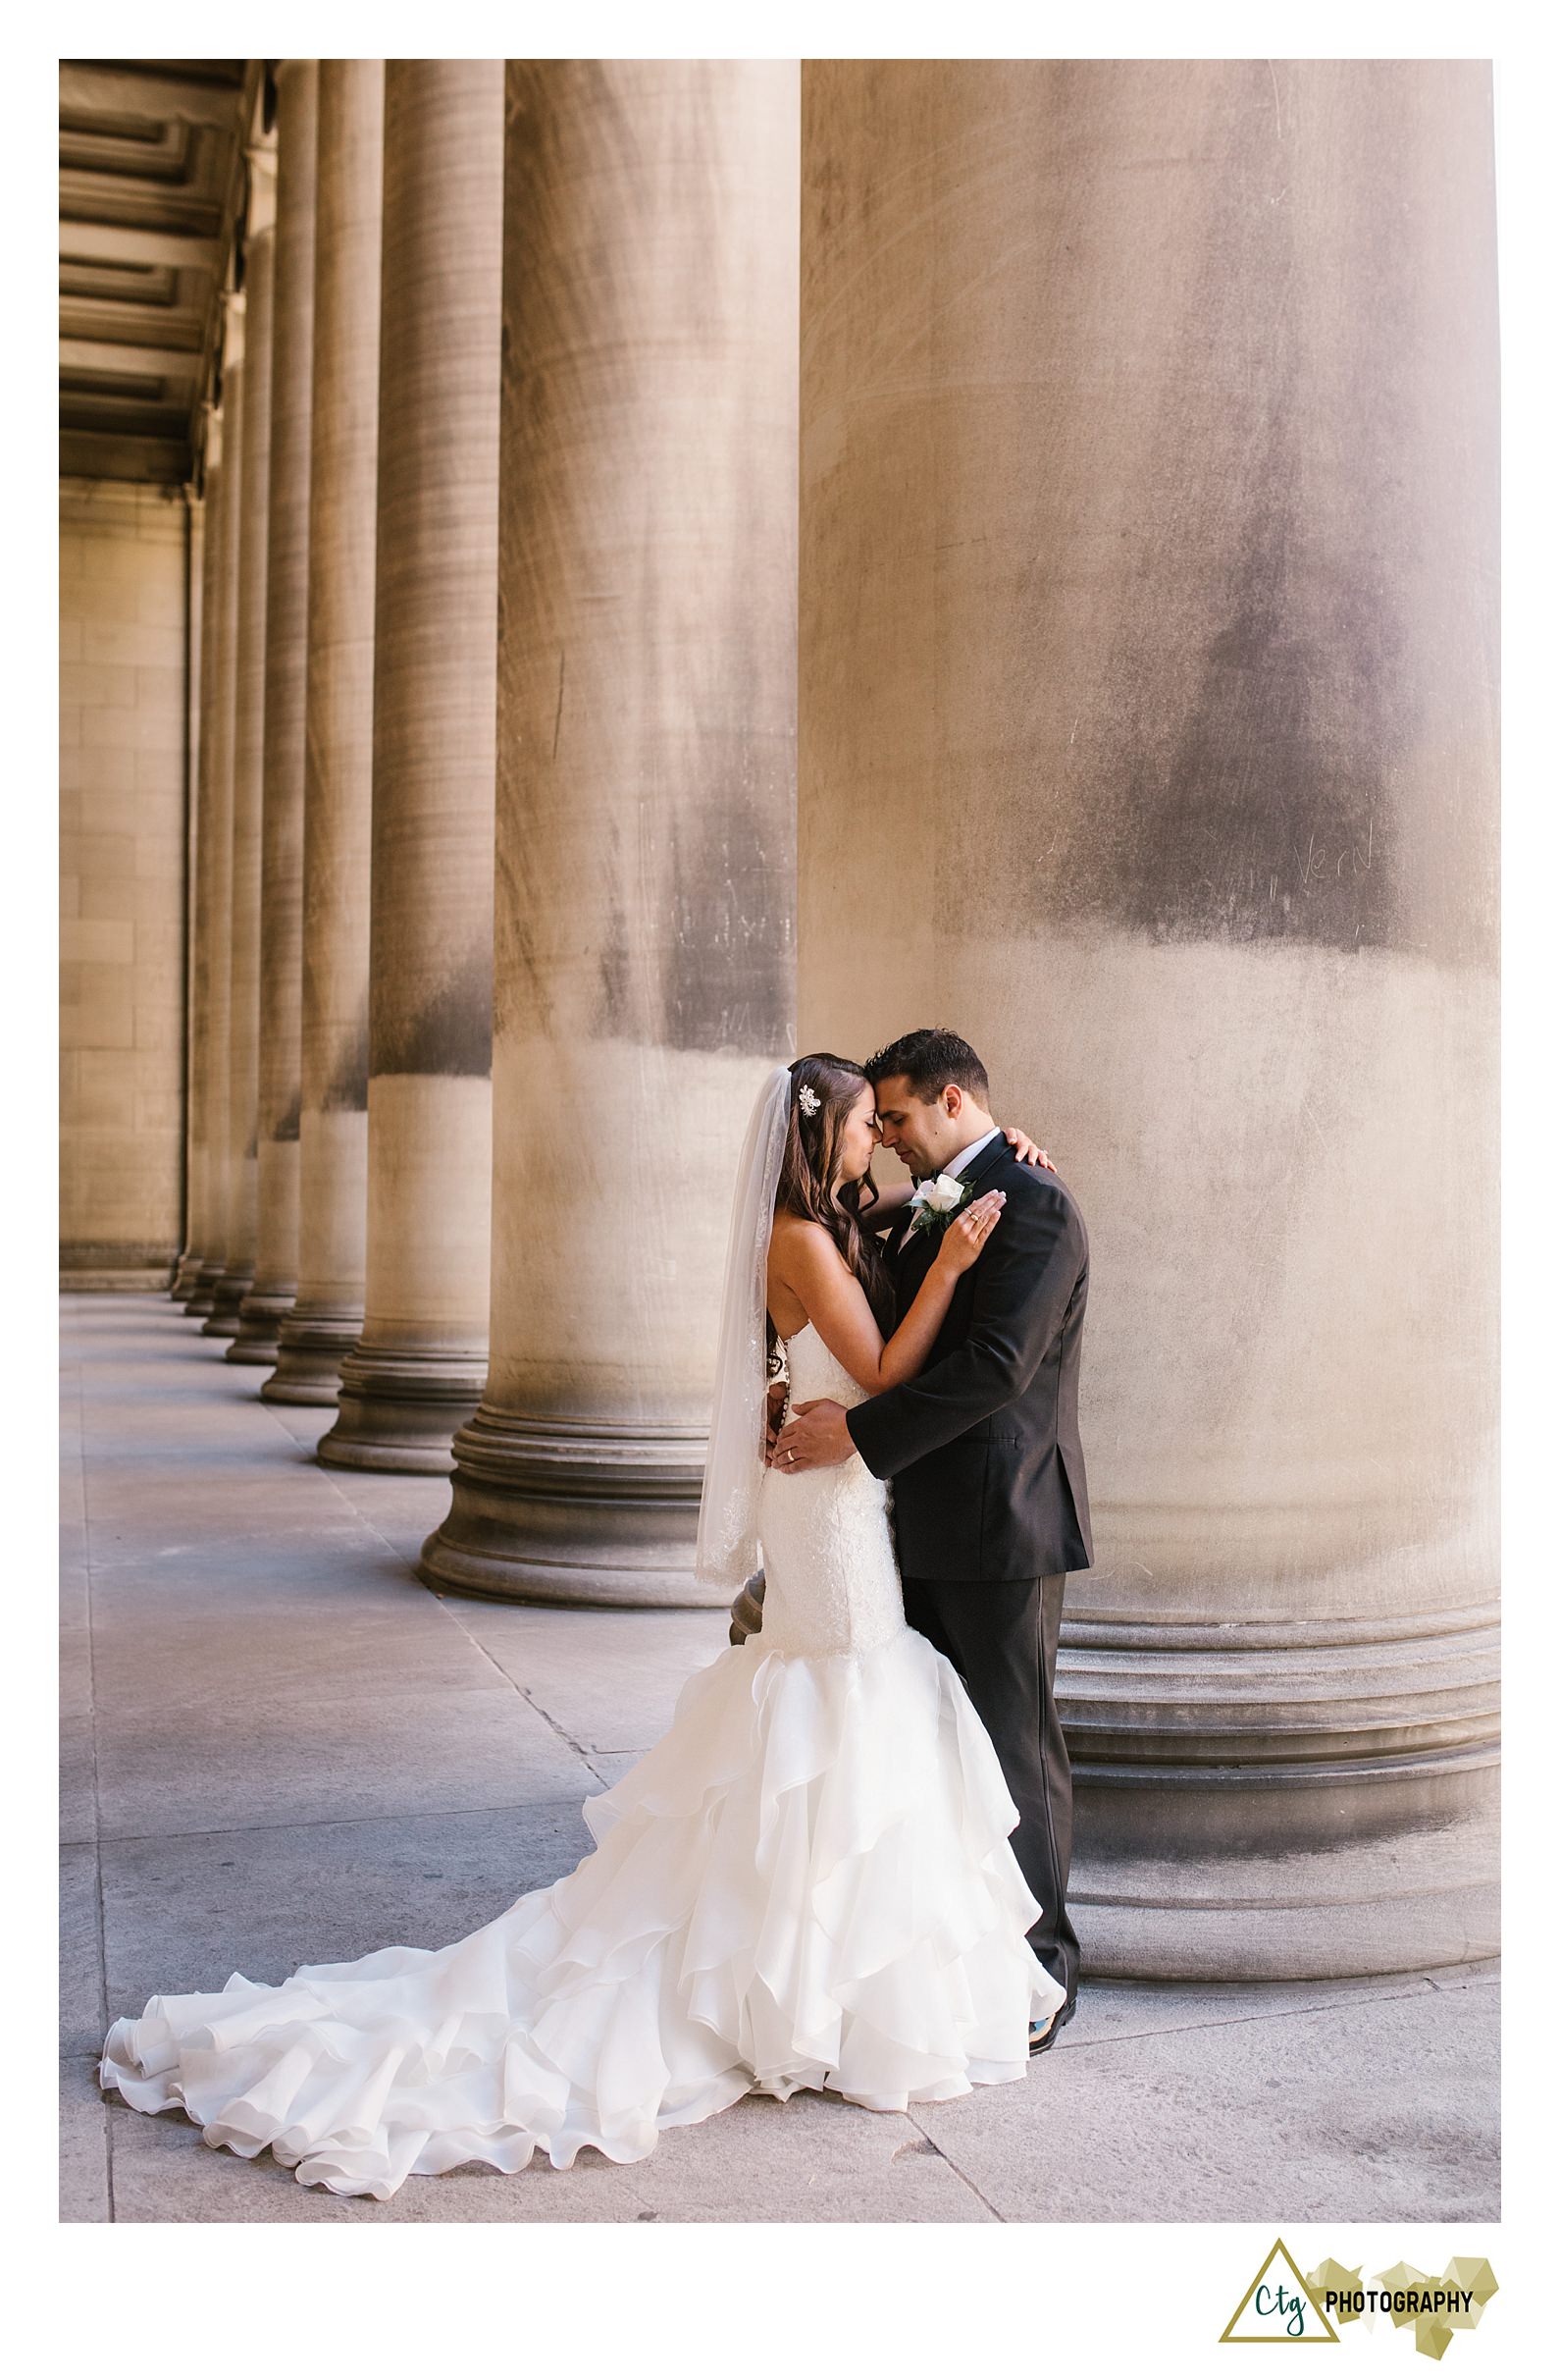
column 278, row 1747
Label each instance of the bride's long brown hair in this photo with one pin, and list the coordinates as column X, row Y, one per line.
column 810, row 1174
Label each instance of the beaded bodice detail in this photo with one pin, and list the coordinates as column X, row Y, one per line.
column 831, row 1583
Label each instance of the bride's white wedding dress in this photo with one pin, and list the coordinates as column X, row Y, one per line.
column 807, row 1883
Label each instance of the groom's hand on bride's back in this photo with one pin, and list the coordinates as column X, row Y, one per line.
column 814, row 1437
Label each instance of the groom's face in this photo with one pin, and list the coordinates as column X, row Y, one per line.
column 921, row 1132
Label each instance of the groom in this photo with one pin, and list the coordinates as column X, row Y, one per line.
column 990, row 1507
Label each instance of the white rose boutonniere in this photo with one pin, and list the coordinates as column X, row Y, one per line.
column 936, row 1202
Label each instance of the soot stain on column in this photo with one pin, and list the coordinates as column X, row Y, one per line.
column 285, row 1126
column 1273, row 819
column 447, row 1031
column 706, row 958
column 346, row 1090
column 615, row 1005
column 728, row 978
column 1280, row 737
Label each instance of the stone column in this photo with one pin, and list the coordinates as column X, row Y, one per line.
column 186, row 1272
column 417, row 1370
column 248, row 772
column 217, row 878
column 276, row 1279
column 332, row 1133
column 197, row 1236
column 647, row 751
column 1147, row 735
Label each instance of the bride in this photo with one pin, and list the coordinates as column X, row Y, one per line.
column 805, row 1884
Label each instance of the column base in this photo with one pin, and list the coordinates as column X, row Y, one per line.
column 1314, row 1798
column 186, row 1280
column 312, row 1344
column 259, row 1322
column 400, row 1410
column 747, row 1613
column 228, row 1295
column 1413, row 1897
column 554, row 1512
column 203, row 1295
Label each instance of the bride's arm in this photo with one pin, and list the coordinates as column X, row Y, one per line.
column 806, row 1259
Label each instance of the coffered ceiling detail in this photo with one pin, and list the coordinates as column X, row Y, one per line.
column 151, row 188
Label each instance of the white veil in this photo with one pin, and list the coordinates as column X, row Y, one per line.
column 728, row 1511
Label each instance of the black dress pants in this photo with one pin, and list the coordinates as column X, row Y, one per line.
column 1001, row 1636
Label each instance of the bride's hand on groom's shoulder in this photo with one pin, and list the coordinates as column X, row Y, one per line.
column 968, row 1234
column 1027, row 1151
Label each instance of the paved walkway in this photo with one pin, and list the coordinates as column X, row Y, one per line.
column 278, row 1747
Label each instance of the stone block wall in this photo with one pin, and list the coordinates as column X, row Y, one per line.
column 122, row 758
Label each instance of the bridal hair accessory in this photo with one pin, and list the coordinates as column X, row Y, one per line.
column 727, row 1554
column 808, row 1100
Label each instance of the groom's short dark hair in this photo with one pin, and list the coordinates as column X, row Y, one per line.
column 930, row 1058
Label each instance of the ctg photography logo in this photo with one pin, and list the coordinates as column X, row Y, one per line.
column 1279, row 2305
column 1284, row 2307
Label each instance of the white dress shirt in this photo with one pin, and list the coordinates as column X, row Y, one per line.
column 956, row 1165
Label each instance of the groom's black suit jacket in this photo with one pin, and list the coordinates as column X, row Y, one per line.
column 983, row 1446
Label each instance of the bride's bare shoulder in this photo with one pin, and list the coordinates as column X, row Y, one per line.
column 797, row 1241
column 801, row 1231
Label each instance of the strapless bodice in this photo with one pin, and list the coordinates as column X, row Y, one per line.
column 815, row 1372
column 831, row 1583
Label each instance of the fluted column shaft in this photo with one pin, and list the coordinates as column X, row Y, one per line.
column 276, row 1278
column 418, row 1368
column 647, row 753
column 326, row 1317
column 248, row 790
column 218, row 860
column 186, row 1271
column 1147, row 735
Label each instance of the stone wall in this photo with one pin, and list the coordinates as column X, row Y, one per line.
column 123, row 578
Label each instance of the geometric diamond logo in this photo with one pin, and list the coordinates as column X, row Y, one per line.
column 1417, row 2298
column 1279, row 2309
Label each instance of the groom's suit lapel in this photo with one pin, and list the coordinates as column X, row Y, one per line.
column 911, row 1259
column 905, row 1245
column 988, row 1161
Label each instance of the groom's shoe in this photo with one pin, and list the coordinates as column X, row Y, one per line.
column 1042, row 2036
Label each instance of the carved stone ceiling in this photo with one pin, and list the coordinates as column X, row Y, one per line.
column 151, row 180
